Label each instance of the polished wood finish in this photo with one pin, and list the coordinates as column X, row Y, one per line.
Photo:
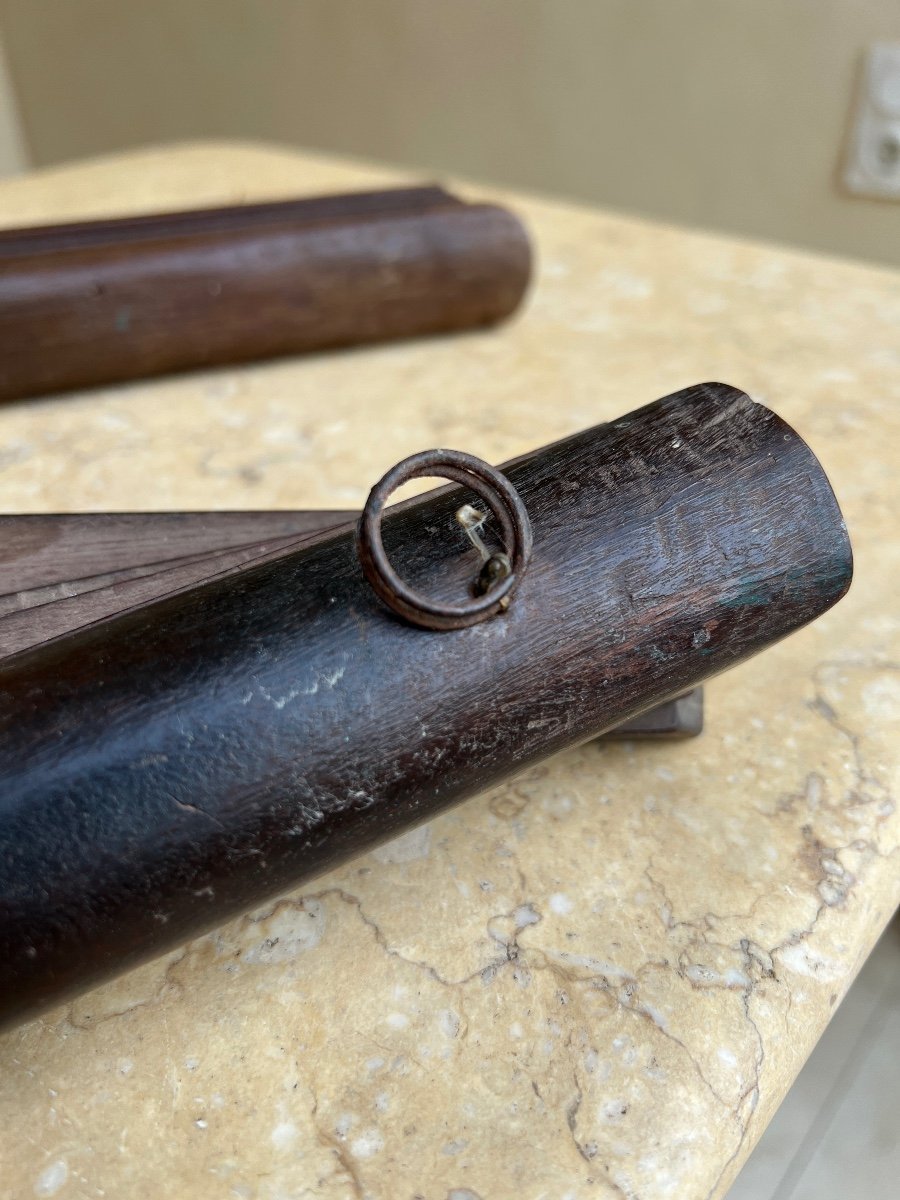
column 184, row 761
column 103, row 301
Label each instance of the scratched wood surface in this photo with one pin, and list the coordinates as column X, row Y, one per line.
column 62, row 571
column 266, row 726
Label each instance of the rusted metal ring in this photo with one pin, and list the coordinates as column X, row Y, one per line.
column 497, row 493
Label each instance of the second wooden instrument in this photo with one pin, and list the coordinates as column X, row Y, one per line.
column 99, row 301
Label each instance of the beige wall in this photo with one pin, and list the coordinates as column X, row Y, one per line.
column 726, row 113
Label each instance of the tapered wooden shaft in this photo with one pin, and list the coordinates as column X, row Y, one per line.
column 166, row 769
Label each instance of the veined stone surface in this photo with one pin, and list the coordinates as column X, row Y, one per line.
column 600, row 979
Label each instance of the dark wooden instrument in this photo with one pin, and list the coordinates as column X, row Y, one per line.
column 95, row 302
column 62, row 571
column 183, row 761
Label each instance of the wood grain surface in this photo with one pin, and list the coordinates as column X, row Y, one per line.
column 62, row 571
column 182, row 762
column 92, row 303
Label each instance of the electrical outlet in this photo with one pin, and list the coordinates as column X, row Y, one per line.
column 873, row 161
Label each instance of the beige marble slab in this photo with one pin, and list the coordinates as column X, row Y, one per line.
column 601, row 979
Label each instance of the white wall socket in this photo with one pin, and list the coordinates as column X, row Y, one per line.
column 873, row 160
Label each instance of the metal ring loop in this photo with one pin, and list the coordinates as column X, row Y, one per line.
column 497, row 493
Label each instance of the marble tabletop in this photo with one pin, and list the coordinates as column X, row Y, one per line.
column 600, row 979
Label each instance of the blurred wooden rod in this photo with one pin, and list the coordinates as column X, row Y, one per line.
column 105, row 301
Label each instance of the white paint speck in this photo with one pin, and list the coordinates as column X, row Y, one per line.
column 368, row 1143
column 612, row 1111
column 52, row 1178
column 200, row 1123
column 560, row 904
column 283, row 1135
column 515, row 1030
column 280, row 701
column 524, row 915
column 804, row 960
column 397, row 1020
